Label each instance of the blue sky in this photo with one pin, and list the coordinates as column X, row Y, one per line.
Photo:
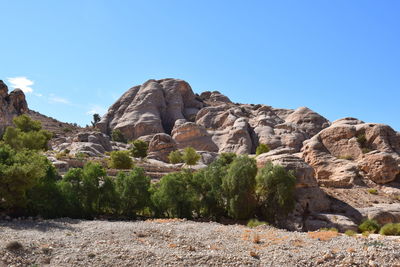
column 340, row 58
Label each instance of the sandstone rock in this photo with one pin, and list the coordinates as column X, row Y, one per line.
column 382, row 213
column 191, row 134
column 160, row 146
column 339, row 155
column 307, row 120
column 326, row 220
column 11, row 105
column 151, row 108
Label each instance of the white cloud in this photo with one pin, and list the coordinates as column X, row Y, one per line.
column 57, row 99
column 22, row 83
column 96, row 109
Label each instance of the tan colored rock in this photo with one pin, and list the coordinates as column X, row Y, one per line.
column 11, row 105
column 160, row 146
column 380, row 167
column 338, row 153
column 307, row 120
column 190, row 134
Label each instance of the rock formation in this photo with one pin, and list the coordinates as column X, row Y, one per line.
column 11, row 105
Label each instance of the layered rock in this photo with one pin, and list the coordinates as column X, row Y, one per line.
column 209, row 122
column 151, row 108
column 350, row 150
column 11, row 104
column 160, row 146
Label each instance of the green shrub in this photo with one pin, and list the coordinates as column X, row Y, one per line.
column 190, row 156
column 390, row 229
column 254, row 223
column 139, row 149
column 275, row 190
column 350, row 233
column 118, row 136
column 366, row 150
column 120, row 160
column 370, row 226
column 373, row 191
column 171, row 197
column 346, row 157
column 262, row 148
column 239, row 186
column 362, row 140
column 133, row 190
column 26, row 135
column 19, row 172
column 175, row 157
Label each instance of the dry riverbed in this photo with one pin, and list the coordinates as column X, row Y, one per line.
column 67, row 242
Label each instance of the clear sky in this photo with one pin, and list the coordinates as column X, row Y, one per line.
column 75, row 57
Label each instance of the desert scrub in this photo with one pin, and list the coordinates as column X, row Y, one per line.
column 350, row 233
column 120, row 160
column 346, row 157
column 370, row 226
column 325, row 229
column 373, row 191
column 262, row 148
column 175, row 157
column 254, row 223
column 390, row 229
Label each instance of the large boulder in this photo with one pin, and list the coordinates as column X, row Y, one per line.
column 350, row 150
column 11, row 105
column 160, row 146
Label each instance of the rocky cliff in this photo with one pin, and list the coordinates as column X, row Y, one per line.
column 11, row 104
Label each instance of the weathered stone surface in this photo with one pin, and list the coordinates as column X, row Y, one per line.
column 326, row 220
column 340, row 158
column 382, row 213
column 151, row 108
column 160, row 146
column 11, row 105
column 191, row 134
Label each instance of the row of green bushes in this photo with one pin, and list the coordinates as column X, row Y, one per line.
column 229, row 187
column 372, row 226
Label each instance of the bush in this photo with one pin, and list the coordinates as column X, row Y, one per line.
column 350, row 233
column 254, row 223
column 171, row 197
column 370, row 226
column 139, row 149
column 362, row 140
column 27, row 134
column 373, row 191
column 262, row 148
column 239, row 186
column 118, row 136
column 390, row 229
column 175, row 157
column 120, row 160
column 133, row 191
column 19, row 172
column 190, row 156
column 275, row 190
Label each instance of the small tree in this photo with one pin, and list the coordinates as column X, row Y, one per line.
column 175, row 157
column 262, row 148
column 172, row 196
column 275, row 190
column 120, row 160
column 96, row 119
column 118, row 136
column 27, row 134
column 139, row 149
column 133, row 190
column 239, row 187
column 190, row 156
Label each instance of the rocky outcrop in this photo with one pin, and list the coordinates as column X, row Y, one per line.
column 151, row 108
column 11, row 105
column 350, row 150
column 93, row 144
column 160, row 146
column 209, row 122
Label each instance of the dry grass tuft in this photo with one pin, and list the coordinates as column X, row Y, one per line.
column 256, row 238
column 324, row 235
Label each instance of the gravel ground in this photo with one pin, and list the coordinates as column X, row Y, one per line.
column 67, row 242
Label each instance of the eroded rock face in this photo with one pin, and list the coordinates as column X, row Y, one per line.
column 351, row 150
column 160, row 146
column 209, row 122
column 11, row 105
column 93, row 144
column 151, row 108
